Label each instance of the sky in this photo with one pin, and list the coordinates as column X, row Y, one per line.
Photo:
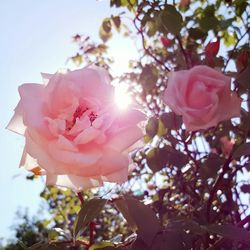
column 36, row 36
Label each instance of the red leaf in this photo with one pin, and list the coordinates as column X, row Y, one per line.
column 165, row 41
column 212, row 48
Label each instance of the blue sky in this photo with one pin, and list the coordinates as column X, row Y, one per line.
column 36, row 37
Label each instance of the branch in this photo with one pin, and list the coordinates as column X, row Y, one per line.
column 216, row 186
column 79, row 195
column 140, row 31
column 183, row 51
column 234, row 48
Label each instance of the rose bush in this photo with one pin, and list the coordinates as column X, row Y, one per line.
column 202, row 96
column 73, row 130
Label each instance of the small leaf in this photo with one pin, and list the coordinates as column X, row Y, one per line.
column 90, row 209
column 55, row 233
column 196, row 33
column 152, row 127
column 240, row 6
column 145, row 219
column 117, row 22
column 106, row 25
column 211, row 166
column 170, row 20
column 149, row 77
column 171, row 120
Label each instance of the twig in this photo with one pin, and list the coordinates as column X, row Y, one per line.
column 216, row 186
column 183, row 51
column 235, row 46
column 140, row 31
column 79, row 195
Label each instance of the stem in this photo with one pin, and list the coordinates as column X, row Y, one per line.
column 79, row 195
column 91, row 233
column 235, row 46
column 140, row 31
column 216, row 186
column 183, row 51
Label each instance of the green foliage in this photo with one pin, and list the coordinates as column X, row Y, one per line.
column 184, row 192
column 88, row 212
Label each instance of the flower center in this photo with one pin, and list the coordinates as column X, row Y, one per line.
column 78, row 114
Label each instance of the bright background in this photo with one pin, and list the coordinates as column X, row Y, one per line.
column 36, row 36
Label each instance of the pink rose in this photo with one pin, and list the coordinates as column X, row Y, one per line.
column 202, row 96
column 73, row 129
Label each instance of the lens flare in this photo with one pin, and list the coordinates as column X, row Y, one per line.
column 122, row 97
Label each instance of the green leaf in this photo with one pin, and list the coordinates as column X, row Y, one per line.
column 149, row 77
column 243, row 149
column 171, row 120
column 101, row 245
column 196, row 33
column 106, row 25
column 152, row 28
column 208, row 23
column 240, row 7
column 145, row 219
column 170, row 20
column 90, row 209
column 211, row 166
column 230, row 232
column 229, row 39
column 152, row 127
column 122, row 206
column 55, row 233
column 161, row 129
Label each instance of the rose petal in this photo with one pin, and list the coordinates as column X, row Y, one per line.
column 125, row 138
column 16, row 123
column 87, row 135
column 77, row 183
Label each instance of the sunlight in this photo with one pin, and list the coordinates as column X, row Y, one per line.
column 122, row 97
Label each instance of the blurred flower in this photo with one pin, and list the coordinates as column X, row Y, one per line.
column 202, row 96
column 165, row 41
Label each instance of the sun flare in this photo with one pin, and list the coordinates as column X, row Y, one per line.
column 122, row 97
